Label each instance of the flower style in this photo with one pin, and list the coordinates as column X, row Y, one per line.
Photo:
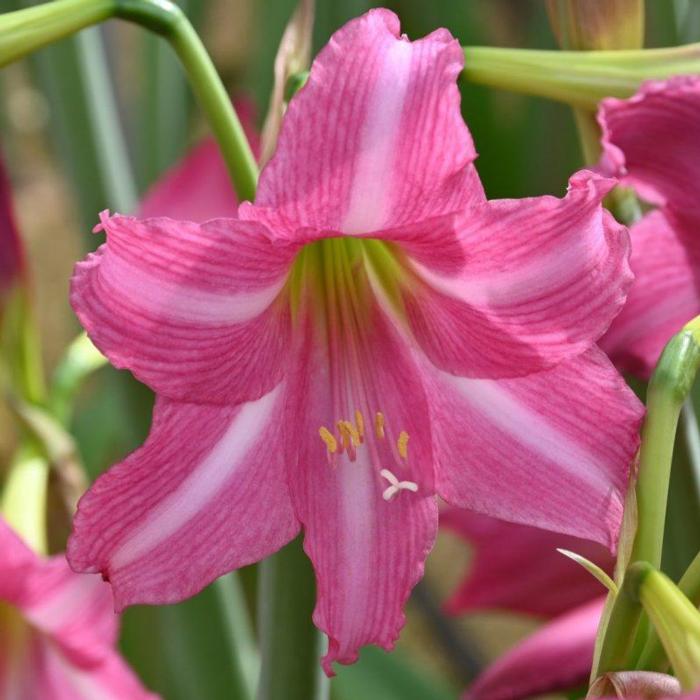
column 369, row 333
column 58, row 631
column 518, row 568
column 652, row 140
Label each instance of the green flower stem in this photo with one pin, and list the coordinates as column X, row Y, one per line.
column 616, row 650
column 244, row 659
column 24, row 31
column 579, row 78
column 669, row 387
column 23, row 502
column 290, row 644
column 623, row 638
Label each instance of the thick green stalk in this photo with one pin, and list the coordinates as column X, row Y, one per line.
column 290, row 644
column 244, row 659
column 668, row 389
column 618, row 643
column 24, row 31
column 579, row 78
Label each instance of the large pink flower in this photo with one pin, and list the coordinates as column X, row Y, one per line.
column 58, row 631
column 653, row 141
column 369, row 333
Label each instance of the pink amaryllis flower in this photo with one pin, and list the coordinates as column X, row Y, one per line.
column 369, row 333
column 652, row 141
column 518, row 568
column 555, row 658
column 58, row 631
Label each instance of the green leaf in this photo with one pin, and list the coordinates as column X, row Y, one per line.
column 388, row 676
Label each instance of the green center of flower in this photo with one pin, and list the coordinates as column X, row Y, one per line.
column 338, row 281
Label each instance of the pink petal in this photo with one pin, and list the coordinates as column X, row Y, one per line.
column 367, row 552
column 543, row 279
column 518, row 568
column 561, row 440
column 375, row 139
column 194, row 311
column 666, row 263
column 199, row 187
column 653, row 139
column 76, row 611
column 49, row 674
column 196, row 189
column 205, row 494
column 16, row 563
column 556, row 657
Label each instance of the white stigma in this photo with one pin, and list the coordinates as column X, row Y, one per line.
column 395, row 486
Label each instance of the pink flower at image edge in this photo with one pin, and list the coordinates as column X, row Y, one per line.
column 59, row 632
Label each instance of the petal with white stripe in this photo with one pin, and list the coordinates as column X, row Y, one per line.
column 195, row 311
column 542, row 280
column 205, row 494
column 375, row 139
column 562, row 440
column 369, row 512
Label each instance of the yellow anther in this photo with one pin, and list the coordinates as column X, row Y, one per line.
column 345, row 437
column 379, row 425
column 360, row 423
column 329, row 439
column 402, row 444
column 347, row 428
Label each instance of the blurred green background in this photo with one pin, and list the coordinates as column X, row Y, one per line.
column 91, row 123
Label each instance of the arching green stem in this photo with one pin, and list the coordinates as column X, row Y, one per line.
column 27, row 30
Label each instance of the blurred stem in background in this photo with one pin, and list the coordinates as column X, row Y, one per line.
column 585, row 26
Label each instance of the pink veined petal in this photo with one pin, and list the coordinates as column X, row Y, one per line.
column 375, row 139
column 76, row 611
column 518, row 568
column 16, row 563
column 12, row 258
column 556, row 657
column 653, row 139
column 49, row 674
column 199, row 187
column 542, row 281
column 205, row 494
column 664, row 297
column 561, row 440
column 197, row 312
column 196, row 189
column 367, row 552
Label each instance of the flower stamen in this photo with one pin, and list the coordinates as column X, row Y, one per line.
column 379, row 425
column 360, row 423
column 329, row 440
column 395, row 486
column 402, row 444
